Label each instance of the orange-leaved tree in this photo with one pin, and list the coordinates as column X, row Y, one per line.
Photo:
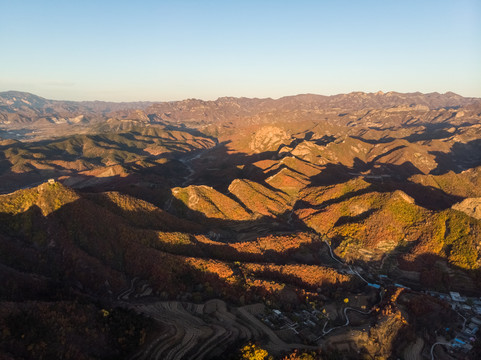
column 254, row 352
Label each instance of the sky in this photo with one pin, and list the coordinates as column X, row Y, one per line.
column 177, row 49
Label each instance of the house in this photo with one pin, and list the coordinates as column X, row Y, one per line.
column 465, row 347
column 455, row 296
column 51, row 181
column 473, row 327
column 464, row 337
column 476, row 321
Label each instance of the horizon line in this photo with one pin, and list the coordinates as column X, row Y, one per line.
column 379, row 92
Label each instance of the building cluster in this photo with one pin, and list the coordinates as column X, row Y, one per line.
column 469, row 309
column 303, row 323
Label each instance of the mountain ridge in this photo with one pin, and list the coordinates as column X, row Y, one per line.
column 433, row 100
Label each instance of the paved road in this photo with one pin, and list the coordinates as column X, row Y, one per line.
column 325, row 332
column 434, row 345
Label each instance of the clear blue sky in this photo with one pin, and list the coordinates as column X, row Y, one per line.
column 170, row 50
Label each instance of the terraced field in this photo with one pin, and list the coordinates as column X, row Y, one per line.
column 203, row 331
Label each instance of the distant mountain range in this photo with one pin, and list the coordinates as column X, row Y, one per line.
column 23, row 108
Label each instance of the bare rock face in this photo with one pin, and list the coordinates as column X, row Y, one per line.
column 268, row 138
column 470, row 206
column 404, row 196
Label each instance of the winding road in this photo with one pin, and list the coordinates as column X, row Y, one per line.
column 124, row 295
column 325, row 332
column 434, row 345
column 354, row 271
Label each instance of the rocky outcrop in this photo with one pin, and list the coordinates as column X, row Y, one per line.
column 268, row 138
column 471, row 207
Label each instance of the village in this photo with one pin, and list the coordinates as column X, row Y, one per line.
column 459, row 341
column 311, row 325
column 300, row 324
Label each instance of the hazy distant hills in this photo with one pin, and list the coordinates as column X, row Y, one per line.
column 197, row 212
column 23, row 108
column 223, row 108
column 20, row 107
column 17, row 101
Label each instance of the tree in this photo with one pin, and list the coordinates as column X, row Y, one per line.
column 254, row 352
